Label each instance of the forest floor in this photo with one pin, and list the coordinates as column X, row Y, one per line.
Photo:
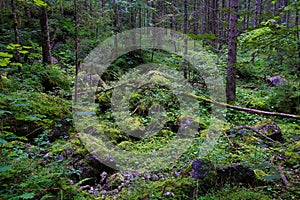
column 45, row 156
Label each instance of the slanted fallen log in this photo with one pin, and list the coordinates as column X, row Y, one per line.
column 250, row 110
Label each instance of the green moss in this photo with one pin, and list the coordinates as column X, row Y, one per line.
column 171, row 188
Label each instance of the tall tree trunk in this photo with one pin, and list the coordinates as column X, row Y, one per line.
column 185, row 30
column 203, row 18
column 297, row 29
column 76, row 51
column 216, row 23
column 16, row 32
column 46, row 50
column 222, row 25
column 248, row 16
column 196, row 16
column 284, row 16
column 15, row 22
column 173, row 26
column 232, row 47
column 28, row 16
column 61, row 7
column 255, row 13
column 245, row 16
column 133, row 21
column 116, row 27
column 277, row 6
column 148, row 15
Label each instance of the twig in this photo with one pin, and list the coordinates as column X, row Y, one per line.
column 33, row 131
column 259, row 133
column 284, row 179
column 135, row 110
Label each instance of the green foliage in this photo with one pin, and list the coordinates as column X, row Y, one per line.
column 235, row 193
column 171, row 188
column 286, row 99
column 272, row 42
column 38, row 78
column 33, row 171
column 34, row 106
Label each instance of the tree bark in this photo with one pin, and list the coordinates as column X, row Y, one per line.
column 76, row 51
column 133, row 21
column 203, row 18
column 255, row 13
column 284, row 16
column 196, row 16
column 232, row 46
column 248, row 16
column 222, row 25
column 46, row 50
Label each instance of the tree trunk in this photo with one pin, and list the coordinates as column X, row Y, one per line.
column 255, row 13
column 185, row 31
column 222, row 25
column 203, row 18
column 196, row 16
column 116, row 27
column 76, row 51
column 284, row 16
column 46, row 50
column 232, row 46
column 132, row 21
column 148, row 16
column 15, row 22
column 297, row 30
column 16, row 32
column 216, row 23
column 248, row 16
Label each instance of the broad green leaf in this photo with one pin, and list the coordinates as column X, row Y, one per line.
column 5, row 168
column 27, row 195
column 6, row 55
column 40, row 3
column 2, row 141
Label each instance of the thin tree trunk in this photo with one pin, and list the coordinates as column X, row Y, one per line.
column 248, row 16
column 260, row 11
column 46, row 50
column 245, row 16
column 203, row 18
column 76, row 51
column 216, row 22
column 222, row 25
column 133, row 22
column 15, row 22
column 116, row 27
column 196, row 15
column 277, row 7
column 297, row 30
column 16, row 32
column 28, row 16
column 148, row 15
column 185, row 30
column 173, row 26
column 255, row 13
column 284, row 16
column 232, row 47
column 61, row 6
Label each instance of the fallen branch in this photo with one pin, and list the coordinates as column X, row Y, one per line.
column 259, row 133
column 284, row 179
column 250, row 110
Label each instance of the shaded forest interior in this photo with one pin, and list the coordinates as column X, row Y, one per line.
column 221, row 71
